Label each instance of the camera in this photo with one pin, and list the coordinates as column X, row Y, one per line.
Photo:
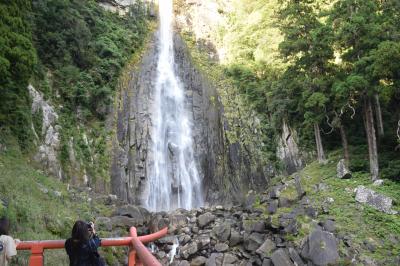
column 89, row 226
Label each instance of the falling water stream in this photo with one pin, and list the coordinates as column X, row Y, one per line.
column 173, row 180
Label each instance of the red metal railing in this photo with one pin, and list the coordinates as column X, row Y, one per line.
column 138, row 253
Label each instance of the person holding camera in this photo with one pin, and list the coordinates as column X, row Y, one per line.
column 82, row 246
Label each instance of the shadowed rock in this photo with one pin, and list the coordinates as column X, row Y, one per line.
column 321, row 248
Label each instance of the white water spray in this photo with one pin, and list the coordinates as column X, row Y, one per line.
column 173, row 180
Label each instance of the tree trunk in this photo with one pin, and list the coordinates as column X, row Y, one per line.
column 320, row 148
column 371, row 138
column 378, row 113
column 345, row 144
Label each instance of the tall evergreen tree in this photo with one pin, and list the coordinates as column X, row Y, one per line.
column 307, row 46
column 358, row 32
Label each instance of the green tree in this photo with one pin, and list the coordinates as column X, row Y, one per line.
column 17, row 59
column 307, row 46
column 358, row 33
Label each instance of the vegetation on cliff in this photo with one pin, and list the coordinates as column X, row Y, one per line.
column 73, row 52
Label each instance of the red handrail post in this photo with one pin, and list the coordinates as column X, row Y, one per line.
column 144, row 255
column 36, row 258
column 132, row 257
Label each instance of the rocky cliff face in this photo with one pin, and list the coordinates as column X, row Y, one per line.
column 227, row 168
column 48, row 136
column 133, row 130
column 59, row 152
column 288, row 150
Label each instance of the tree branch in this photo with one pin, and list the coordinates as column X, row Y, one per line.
column 398, row 130
column 350, row 107
column 329, row 124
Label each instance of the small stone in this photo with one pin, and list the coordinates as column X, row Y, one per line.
column 259, row 227
column 215, row 259
column 320, row 187
column 378, row 182
column 311, row 212
column 221, row 247
column 204, row 241
column 342, row 171
column 329, row 225
column 250, row 200
column 299, row 187
column 267, row 262
column 275, row 193
column 184, row 263
column 170, row 240
column 235, row 238
column 284, row 202
column 273, row 207
column 370, row 246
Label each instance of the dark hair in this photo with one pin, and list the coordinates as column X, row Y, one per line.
column 80, row 232
column 4, row 226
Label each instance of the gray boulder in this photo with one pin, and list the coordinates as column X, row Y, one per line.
column 321, row 248
column 373, row 199
column 229, row 259
column 215, row 259
column 281, row 258
column 221, row 247
column 235, row 238
column 296, row 257
column 205, row 219
column 123, row 222
column 139, row 214
column 104, row 223
column 254, row 241
column 273, row 207
column 265, row 251
column 189, row 249
column 177, row 221
column 299, row 187
column 222, row 232
column 198, row 261
column 342, row 171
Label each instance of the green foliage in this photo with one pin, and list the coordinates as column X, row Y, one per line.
column 86, row 48
column 17, row 59
column 357, row 221
column 323, row 60
column 29, row 200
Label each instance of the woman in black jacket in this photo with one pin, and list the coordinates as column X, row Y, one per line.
column 82, row 246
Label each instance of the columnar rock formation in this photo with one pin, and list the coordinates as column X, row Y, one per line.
column 228, row 169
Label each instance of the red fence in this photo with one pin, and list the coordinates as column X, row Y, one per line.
column 138, row 253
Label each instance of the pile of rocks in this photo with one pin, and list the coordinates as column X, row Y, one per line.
column 237, row 236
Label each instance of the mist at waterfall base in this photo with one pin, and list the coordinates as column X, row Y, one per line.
column 173, row 179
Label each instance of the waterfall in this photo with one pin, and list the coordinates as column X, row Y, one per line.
column 173, row 178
